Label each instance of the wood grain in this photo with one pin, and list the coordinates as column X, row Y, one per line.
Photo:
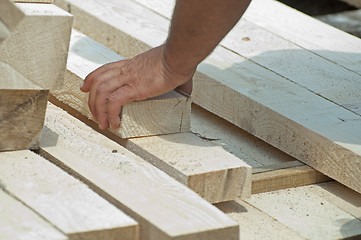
column 307, row 213
column 38, row 47
column 21, row 118
column 299, row 122
column 164, row 208
column 65, row 202
column 168, row 113
column 19, row 222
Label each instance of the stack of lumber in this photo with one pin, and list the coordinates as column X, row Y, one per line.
column 273, row 97
column 31, row 35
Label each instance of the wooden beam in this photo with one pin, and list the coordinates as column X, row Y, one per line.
column 33, row 1
column 286, row 178
column 65, row 202
column 10, row 17
column 21, row 118
column 306, row 212
column 164, row 208
column 38, row 47
column 168, row 113
column 305, row 125
column 19, row 222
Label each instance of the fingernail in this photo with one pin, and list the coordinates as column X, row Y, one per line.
column 81, row 84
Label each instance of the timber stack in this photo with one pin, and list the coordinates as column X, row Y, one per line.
column 270, row 148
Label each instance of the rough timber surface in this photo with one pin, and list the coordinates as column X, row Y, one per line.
column 327, row 137
column 163, row 208
column 68, row 204
column 19, row 222
column 168, row 113
column 21, row 118
column 319, row 211
column 38, row 46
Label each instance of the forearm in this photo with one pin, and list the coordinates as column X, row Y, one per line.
column 196, row 29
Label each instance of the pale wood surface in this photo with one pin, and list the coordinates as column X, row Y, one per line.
column 307, row 213
column 164, row 208
column 19, row 222
column 64, row 201
column 206, row 168
column 11, row 16
column 286, row 178
column 38, row 47
column 275, row 109
column 255, row 224
column 281, row 55
column 21, row 118
column 168, row 113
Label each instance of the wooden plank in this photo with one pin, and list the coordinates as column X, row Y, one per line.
column 180, row 155
column 164, row 208
column 10, row 17
column 286, row 178
column 284, row 57
column 65, row 202
column 306, row 32
column 38, row 47
column 19, row 222
column 21, row 118
column 255, row 224
column 303, row 124
column 307, row 213
column 168, row 113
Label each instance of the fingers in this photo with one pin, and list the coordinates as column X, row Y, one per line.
column 103, row 85
column 118, row 98
column 88, row 81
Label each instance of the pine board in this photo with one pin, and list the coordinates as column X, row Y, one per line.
column 19, row 222
column 278, row 122
column 65, row 202
column 163, row 208
column 168, row 113
column 38, row 47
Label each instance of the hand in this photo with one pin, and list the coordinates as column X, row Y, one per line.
column 115, row 84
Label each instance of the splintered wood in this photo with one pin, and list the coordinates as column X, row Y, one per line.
column 168, row 113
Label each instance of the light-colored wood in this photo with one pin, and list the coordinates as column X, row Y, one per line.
column 255, row 224
column 164, row 208
column 21, row 118
column 11, row 16
column 206, row 168
column 64, row 201
column 286, row 178
column 285, row 58
column 306, row 32
column 19, row 222
column 290, row 117
column 180, row 155
column 38, row 46
column 168, row 113
column 308, row 214
column 339, row 195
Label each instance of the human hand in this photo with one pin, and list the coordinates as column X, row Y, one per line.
column 115, row 84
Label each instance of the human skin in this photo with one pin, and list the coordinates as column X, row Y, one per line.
column 197, row 27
